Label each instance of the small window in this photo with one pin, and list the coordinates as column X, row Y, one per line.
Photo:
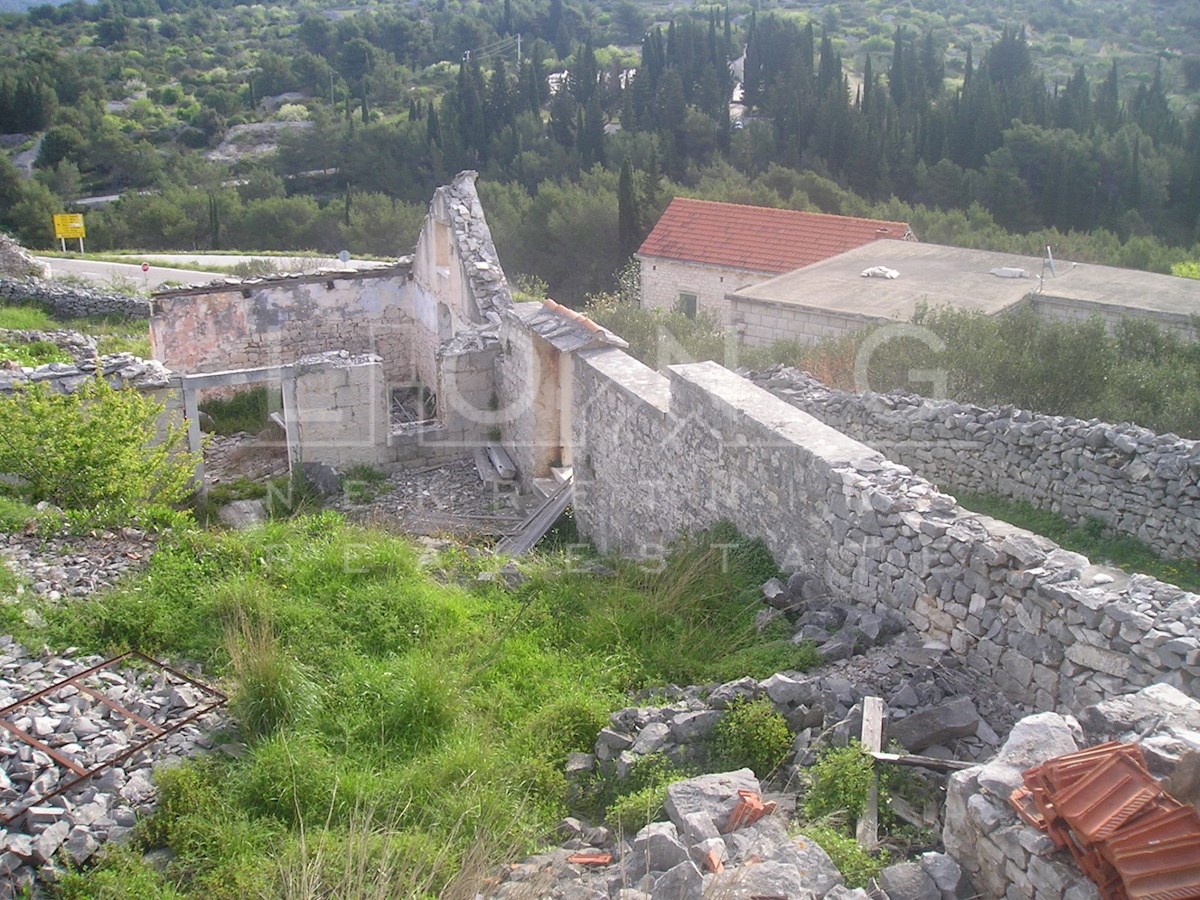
column 687, row 305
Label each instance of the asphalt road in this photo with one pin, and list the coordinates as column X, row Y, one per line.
column 102, row 272
column 160, row 272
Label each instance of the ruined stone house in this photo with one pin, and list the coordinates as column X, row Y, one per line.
column 652, row 453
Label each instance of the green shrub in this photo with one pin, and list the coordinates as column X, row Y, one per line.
column 182, row 790
column 841, row 781
column 857, row 865
column 638, row 800
column 97, row 451
column 752, row 734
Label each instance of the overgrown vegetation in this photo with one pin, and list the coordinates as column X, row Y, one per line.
column 753, row 735
column 99, row 453
column 1092, row 539
column 632, row 803
column 1137, row 373
column 245, row 411
column 386, row 708
column 857, row 865
column 33, row 353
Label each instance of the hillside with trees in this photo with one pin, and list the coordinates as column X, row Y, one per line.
column 287, row 126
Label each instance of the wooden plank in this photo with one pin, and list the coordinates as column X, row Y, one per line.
column 867, row 832
column 536, row 525
column 927, row 762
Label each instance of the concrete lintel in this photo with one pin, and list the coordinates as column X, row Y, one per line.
column 237, row 376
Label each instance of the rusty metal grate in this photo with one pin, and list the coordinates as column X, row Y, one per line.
column 1130, row 837
column 74, row 771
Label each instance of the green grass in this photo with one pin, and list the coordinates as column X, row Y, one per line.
column 245, row 411
column 26, row 318
column 390, row 715
column 1090, row 539
column 35, row 353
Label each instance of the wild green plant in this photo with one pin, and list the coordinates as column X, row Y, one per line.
column 271, row 689
column 362, row 483
column 32, row 354
column 752, row 734
column 857, row 865
column 841, row 781
column 26, row 318
column 246, row 411
column 101, row 452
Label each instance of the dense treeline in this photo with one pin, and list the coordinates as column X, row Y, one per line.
column 991, row 157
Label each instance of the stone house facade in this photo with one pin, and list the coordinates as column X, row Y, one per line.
column 701, row 251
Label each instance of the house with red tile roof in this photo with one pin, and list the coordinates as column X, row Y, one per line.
column 701, row 250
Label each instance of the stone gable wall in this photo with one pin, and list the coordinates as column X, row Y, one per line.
column 1131, row 479
column 659, row 453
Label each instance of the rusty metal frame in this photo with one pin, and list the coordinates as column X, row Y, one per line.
column 157, row 732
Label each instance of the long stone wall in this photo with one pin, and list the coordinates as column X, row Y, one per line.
column 659, row 453
column 65, row 302
column 1134, row 481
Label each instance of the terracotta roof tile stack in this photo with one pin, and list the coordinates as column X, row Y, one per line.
column 1135, row 841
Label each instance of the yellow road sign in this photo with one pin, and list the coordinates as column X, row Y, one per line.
column 69, row 225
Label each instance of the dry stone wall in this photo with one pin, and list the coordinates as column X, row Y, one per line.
column 65, row 302
column 1134, row 481
column 659, row 453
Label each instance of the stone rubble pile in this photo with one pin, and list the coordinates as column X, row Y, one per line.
column 120, row 369
column 74, row 566
column 70, row 302
column 16, row 261
column 704, row 850
column 81, row 347
column 1135, row 481
column 1002, row 855
column 39, row 838
column 927, row 692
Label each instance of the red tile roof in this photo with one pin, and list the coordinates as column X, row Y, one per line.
column 758, row 238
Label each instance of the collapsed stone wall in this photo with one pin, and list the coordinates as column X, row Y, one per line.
column 656, row 454
column 16, row 261
column 65, row 302
column 1134, row 481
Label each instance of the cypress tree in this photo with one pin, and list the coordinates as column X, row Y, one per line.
column 627, row 212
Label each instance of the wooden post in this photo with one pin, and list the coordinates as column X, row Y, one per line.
column 191, row 412
column 867, row 832
column 291, row 420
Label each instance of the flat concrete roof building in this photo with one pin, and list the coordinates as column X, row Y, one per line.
column 833, row 296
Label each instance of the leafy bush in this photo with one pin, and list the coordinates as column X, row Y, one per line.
column 841, row 780
column 752, row 734
column 857, row 865
column 98, row 450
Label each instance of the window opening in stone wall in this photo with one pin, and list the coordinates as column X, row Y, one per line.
column 441, row 248
column 687, row 305
column 413, row 406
